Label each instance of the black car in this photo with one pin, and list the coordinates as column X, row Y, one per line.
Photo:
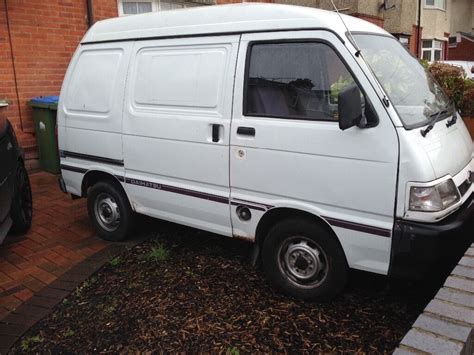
column 15, row 190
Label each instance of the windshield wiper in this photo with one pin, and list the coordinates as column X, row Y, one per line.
column 452, row 120
column 436, row 116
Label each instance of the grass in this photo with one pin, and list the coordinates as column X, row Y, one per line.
column 30, row 341
column 232, row 351
column 86, row 284
column 115, row 261
column 69, row 333
column 157, row 254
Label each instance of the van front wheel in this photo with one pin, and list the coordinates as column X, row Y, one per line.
column 304, row 260
column 109, row 211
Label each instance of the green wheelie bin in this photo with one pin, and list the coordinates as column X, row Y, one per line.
column 44, row 116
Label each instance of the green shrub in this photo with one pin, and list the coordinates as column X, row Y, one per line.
column 468, row 103
column 456, row 86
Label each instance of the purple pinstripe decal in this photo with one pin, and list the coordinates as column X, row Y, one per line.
column 359, row 227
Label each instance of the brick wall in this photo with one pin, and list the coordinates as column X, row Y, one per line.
column 414, row 41
column 464, row 50
column 43, row 34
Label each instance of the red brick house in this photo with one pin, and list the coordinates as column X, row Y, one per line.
column 461, row 47
column 37, row 40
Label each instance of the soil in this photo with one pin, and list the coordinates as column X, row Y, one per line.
column 188, row 290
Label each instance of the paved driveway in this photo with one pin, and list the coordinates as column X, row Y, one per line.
column 60, row 238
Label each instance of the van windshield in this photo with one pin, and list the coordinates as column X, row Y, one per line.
column 417, row 97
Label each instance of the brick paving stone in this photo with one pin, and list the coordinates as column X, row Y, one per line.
column 10, row 302
column 4, row 312
column 448, row 310
column 53, row 293
column 464, row 271
column 6, row 341
column 467, row 261
column 439, row 326
column 460, row 284
column 61, row 284
column 456, row 296
column 40, row 268
column 34, row 284
column 24, row 294
column 430, row 343
column 32, row 311
column 44, row 302
column 76, row 277
column 14, row 318
column 12, row 329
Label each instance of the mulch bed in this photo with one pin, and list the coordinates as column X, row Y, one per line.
column 187, row 290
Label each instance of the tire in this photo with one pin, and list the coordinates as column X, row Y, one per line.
column 304, row 260
column 109, row 211
column 22, row 203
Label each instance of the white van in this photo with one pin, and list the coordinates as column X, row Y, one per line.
column 328, row 149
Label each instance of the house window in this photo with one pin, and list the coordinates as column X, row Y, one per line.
column 435, row 4
column 432, row 50
column 404, row 41
column 127, row 8
column 453, row 41
column 136, row 7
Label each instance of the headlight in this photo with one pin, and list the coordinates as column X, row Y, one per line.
column 434, row 198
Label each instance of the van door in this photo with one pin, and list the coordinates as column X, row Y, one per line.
column 287, row 149
column 90, row 112
column 176, row 129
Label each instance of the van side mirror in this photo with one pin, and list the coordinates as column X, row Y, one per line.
column 349, row 107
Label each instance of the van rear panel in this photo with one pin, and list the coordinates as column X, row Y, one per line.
column 90, row 112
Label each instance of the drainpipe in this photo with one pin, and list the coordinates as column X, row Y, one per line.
column 13, row 64
column 418, row 30
column 90, row 13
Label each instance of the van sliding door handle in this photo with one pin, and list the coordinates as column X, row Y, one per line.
column 216, row 133
column 246, row 131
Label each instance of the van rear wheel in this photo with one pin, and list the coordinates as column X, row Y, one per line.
column 109, row 211
column 303, row 260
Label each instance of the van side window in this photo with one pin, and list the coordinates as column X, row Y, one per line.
column 298, row 80
column 92, row 85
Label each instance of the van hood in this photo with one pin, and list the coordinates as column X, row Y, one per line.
column 449, row 149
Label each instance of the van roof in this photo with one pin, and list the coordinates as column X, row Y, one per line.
column 222, row 19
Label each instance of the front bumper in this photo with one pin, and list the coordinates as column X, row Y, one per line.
column 418, row 248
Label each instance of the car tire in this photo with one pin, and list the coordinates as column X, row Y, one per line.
column 304, row 260
column 22, row 203
column 109, row 211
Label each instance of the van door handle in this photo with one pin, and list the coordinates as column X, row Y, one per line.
column 246, row 131
column 216, row 132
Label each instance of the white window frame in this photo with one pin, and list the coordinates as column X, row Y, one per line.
column 437, row 4
column 155, row 5
column 120, row 6
column 433, row 49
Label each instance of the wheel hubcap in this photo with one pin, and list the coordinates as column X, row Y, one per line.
column 107, row 212
column 303, row 261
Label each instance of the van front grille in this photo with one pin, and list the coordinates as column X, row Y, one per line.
column 464, row 187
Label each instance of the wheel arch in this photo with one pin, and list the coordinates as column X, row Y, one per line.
column 274, row 215
column 94, row 176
